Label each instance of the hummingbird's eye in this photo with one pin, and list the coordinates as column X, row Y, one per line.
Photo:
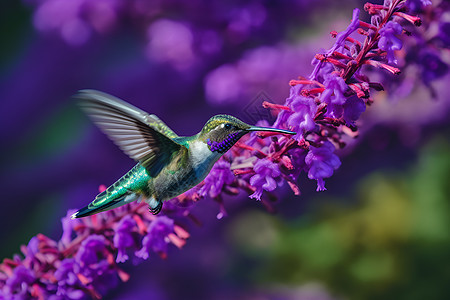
column 228, row 126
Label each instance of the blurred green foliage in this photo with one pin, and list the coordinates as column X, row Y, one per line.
column 394, row 244
column 15, row 28
column 60, row 132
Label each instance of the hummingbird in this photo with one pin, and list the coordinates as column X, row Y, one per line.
column 167, row 164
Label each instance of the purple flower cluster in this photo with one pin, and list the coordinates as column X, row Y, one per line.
column 84, row 262
column 389, row 41
column 157, row 237
column 219, row 177
column 321, row 162
column 19, row 283
column 324, row 108
column 333, row 95
column 301, row 114
column 265, row 178
column 125, row 237
column 426, row 49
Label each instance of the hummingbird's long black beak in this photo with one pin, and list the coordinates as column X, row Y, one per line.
column 257, row 128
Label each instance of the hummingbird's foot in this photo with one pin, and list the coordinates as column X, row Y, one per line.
column 155, row 210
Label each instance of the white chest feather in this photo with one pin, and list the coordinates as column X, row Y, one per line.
column 202, row 158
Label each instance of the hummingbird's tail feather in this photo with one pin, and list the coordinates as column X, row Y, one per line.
column 123, row 191
column 102, row 203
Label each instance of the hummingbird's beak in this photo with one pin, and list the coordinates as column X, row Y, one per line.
column 257, row 128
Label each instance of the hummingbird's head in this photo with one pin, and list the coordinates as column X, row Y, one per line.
column 221, row 132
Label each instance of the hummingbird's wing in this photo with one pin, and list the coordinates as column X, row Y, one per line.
column 145, row 138
column 159, row 125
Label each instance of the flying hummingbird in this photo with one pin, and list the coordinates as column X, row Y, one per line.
column 167, row 164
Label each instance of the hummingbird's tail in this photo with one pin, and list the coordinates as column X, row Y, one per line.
column 103, row 202
column 118, row 194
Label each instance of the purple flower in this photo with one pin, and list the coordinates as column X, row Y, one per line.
column 353, row 108
column 284, row 115
column 335, row 87
column 389, row 42
column 264, row 178
column 343, row 35
column 94, row 265
column 17, row 286
column 156, row 238
column 321, row 162
column 282, row 118
column 339, row 44
column 123, row 237
column 69, row 286
column 444, row 34
column 90, row 250
column 68, row 224
column 432, row 66
column 324, row 70
column 333, row 95
column 302, row 120
column 415, row 6
column 32, row 247
column 219, row 176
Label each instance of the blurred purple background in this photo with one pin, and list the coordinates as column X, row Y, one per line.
column 183, row 61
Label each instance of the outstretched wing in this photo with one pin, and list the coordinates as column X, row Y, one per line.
column 145, row 138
